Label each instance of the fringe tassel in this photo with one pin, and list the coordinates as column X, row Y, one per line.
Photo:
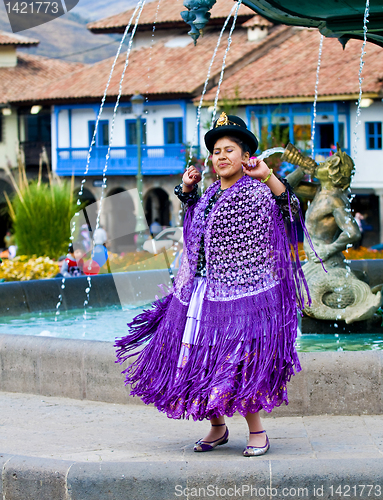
column 241, row 359
column 298, row 274
column 244, row 353
column 142, row 329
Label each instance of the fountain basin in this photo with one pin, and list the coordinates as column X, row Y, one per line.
column 349, row 382
column 119, row 289
column 138, row 289
column 334, row 383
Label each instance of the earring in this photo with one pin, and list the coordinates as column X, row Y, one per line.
column 217, row 176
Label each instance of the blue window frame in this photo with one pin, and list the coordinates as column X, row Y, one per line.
column 337, row 129
column 102, row 137
column 131, row 132
column 173, row 130
column 374, row 135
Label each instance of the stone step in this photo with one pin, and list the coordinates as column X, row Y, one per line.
column 64, row 449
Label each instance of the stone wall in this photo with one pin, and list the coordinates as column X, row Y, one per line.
column 334, row 383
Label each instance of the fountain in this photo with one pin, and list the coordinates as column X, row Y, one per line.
column 349, row 383
column 342, row 19
column 336, row 292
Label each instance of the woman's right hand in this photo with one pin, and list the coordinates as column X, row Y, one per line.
column 191, row 176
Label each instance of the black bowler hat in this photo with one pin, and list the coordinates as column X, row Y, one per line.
column 232, row 126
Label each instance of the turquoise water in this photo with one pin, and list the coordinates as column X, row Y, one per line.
column 340, row 342
column 108, row 323
column 99, row 324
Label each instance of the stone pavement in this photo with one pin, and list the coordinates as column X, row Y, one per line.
column 65, row 449
column 88, row 431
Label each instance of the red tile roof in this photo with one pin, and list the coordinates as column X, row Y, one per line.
column 257, row 21
column 288, row 71
column 162, row 69
column 30, row 73
column 17, row 40
column 168, row 14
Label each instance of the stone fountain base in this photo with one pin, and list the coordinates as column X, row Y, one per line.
column 140, row 288
column 370, row 271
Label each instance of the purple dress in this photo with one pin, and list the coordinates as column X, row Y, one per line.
column 223, row 340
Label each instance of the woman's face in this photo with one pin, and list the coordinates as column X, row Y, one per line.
column 227, row 158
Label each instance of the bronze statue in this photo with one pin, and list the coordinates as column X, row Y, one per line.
column 337, row 294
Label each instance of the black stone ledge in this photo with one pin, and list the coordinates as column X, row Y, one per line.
column 31, row 478
column 136, row 287
column 312, row 325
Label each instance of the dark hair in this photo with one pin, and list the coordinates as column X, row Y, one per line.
column 70, row 248
column 244, row 147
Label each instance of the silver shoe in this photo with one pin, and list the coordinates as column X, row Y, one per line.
column 254, row 451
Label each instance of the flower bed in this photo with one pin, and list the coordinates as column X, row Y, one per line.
column 350, row 254
column 138, row 261
column 24, row 268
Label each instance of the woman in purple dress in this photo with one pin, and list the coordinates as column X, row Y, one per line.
column 223, row 340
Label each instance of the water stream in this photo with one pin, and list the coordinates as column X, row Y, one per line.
column 269, row 152
column 196, row 129
column 265, row 154
column 198, row 116
column 316, row 97
column 151, row 49
column 139, row 8
column 356, row 138
column 111, row 138
column 229, row 40
column 361, row 64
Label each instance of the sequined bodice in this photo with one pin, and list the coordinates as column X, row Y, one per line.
column 192, row 197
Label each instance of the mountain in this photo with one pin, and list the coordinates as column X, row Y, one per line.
column 67, row 37
column 98, row 9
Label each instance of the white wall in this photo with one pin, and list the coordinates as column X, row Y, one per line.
column 53, row 140
column 9, row 144
column 205, row 120
column 8, row 56
column 63, row 125
column 368, row 163
column 191, row 116
column 145, row 38
column 155, row 124
column 154, row 115
column 80, row 133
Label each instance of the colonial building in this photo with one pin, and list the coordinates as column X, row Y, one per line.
column 276, row 92
column 170, row 72
column 270, row 80
column 23, row 125
column 273, row 88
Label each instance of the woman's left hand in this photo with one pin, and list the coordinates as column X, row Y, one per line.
column 255, row 168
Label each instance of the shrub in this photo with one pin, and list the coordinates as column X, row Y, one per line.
column 41, row 214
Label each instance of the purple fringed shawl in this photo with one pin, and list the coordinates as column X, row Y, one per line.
column 244, row 353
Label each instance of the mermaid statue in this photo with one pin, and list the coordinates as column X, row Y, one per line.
column 336, row 292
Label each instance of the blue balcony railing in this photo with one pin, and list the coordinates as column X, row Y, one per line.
column 156, row 160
